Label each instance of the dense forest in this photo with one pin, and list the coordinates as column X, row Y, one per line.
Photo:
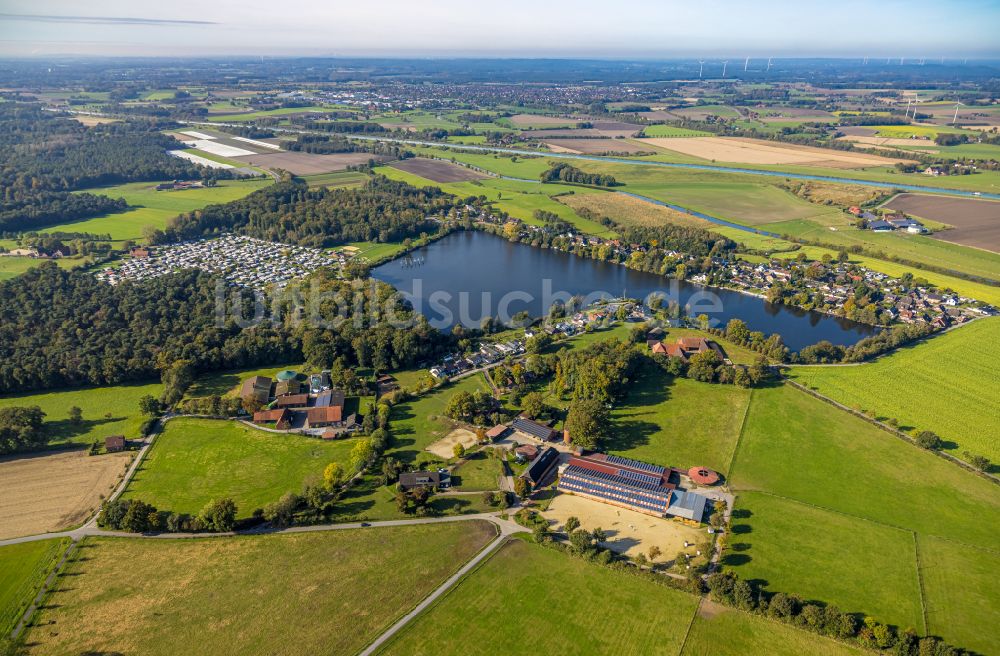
column 327, row 144
column 382, row 210
column 44, row 155
column 64, row 328
column 562, row 172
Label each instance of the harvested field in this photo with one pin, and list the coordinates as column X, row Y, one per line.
column 445, row 447
column 198, row 159
column 630, row 211
column 798, row 113
column 857, row 131
column 701, row 112
column 977, row 222
column 307, row 163
column 537, row 119
column 54, row 491
column 438, row 170
column 754, row 151
column 629, row 532
column 91, row 121
column 596, row 146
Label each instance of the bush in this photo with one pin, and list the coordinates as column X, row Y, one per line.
column 928, row 440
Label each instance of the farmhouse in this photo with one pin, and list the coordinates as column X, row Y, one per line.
column 292, row 401
column 257, row 388
column 540, row 467
column 282, row 418
column 410, row 480
column 685, row 347
column 496, row 432
column 630, row 484
column 114, row 443
column 532, row 429
column 324, row 416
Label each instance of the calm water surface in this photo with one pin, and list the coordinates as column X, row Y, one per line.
column 467, row 276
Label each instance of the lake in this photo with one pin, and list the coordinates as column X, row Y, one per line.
column 469, row 275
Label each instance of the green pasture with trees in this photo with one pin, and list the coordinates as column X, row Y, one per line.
column 195, row 461
column 23, row 569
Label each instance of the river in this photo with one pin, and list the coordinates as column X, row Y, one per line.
column 466, row 276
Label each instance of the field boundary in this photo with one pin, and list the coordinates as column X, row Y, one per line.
column 739, row 438
column 920, row 581
column 694, row 616
column 403, row 622
column 893, row 431
column 44, row 590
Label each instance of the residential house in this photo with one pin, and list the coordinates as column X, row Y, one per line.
column 114, row 443
column 257, row 388
column 410, row 480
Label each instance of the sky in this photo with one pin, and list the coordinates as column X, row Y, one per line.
column 506, row 28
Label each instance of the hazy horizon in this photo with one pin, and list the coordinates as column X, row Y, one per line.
column 631, row 29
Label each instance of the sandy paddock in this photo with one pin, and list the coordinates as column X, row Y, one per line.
column 628, row 531
column 54, row 491
column 754, row 151
column 445, row 447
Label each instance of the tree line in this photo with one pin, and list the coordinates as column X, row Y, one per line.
column 563, row 172
column 381, row 210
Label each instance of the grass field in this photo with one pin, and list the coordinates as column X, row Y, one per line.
column 721, row 631
column 791, row 542
column 148, row 207
column 859, row 470
column 671, row 131
column 23, row 569
column 519, row 199
column 336, row 179
column 679, row 422
column 252, row 116
column 420, row 422
column 227, row 383
column 530, row 594
column 857, row 482
column 478, row 473
column 947, row 384
column 963, row 592
column 916, row 248
column 197, row 460
column 327, row 592
column 121, row 402
column 374, row 251
column 11, row 266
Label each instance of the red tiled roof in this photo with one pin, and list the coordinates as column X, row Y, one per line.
column 325, row 415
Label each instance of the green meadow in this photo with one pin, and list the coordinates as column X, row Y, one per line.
column 946, row 384
column 318, row 593
column 721, row 631
column 12, row 266
column 112, row 410
column 824, row 497
column 528, row 593
column 671, row 131
column 23, row 570
column 195, row 461
column 678, row 422
column 148, row 207
column 962, row 592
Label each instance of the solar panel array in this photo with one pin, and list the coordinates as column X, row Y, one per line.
column 636, row 476
column 655, row 488
column 636, row 464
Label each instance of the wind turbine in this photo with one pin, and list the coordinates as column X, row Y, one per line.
column 724, row 64
column 865, row 62
column 769, row 63
column 907, row 113
column 746, row 64
column 954, row 120
column 701, row 67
